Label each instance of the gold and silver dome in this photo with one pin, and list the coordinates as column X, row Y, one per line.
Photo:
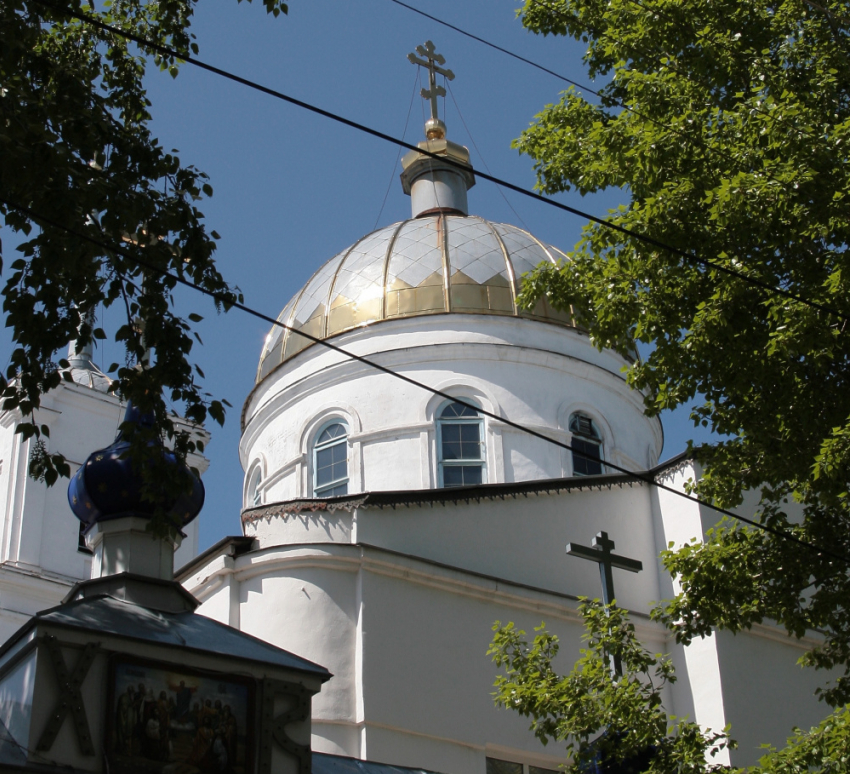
column 434, row 264
column 442, row 261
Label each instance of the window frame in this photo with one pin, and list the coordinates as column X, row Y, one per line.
column 594, row 436
column 481, row 462
column 255, row 496
column 316, row 447
column 82, row 546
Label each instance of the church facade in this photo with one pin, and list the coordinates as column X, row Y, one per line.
column 386, row 527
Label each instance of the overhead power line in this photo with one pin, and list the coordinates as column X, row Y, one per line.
column 496, row 47
column 612, row 101
column 692, row 257
column 224, row 298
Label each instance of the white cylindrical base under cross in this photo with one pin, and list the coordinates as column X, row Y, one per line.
column 441, row 189
column 126, row 545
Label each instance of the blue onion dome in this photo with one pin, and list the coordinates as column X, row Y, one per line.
column 107, row 487
column 440, row 262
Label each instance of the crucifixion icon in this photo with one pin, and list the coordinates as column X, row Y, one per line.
column 607, row 561
column 432, row 61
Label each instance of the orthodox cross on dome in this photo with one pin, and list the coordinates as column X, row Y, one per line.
column 432, row 61
column 601, row 554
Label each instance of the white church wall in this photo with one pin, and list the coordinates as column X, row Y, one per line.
column 525, row 459
column 286, row 480
column 10, row 463
column 39, row 531
column 698, row 691
column 417, row 619
column 306, row 601
column 765, row 692
column 526, row 370
column 379, row 621
column 303, row 527
column 188, row 549
column 428, row 593
column 380, row 461
column 22, row 594
column 216, row 599
column 408, row 628
column 523, row 539
column 750, row 680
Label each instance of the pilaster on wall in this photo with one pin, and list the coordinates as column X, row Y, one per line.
column 699, row 689
column 14, row 452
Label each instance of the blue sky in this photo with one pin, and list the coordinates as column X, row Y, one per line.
column 292, row 189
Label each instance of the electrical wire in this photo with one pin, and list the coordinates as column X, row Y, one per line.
column 398, row 155
column 699, row 36
column 483, row 161
column 606, row 99
column 224, row 298
column 648, row 240
column 499, row 48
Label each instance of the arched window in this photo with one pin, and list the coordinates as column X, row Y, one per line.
column 330, row 461
column 587, row 446
column 254, row 493
column 460, row 446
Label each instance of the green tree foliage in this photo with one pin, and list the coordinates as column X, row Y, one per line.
column 825, row 749
column 596, row 714
column 725, row 125
column 620, row 721
column 77, row 149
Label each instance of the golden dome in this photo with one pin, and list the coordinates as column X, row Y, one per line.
column 436, row 264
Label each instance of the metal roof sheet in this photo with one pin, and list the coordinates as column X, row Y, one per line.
column 324, row 763
column 429, row 265
column 106, row 615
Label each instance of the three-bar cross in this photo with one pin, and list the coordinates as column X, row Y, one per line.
column 431, row 61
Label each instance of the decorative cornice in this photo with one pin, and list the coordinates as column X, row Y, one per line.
column 419, row 497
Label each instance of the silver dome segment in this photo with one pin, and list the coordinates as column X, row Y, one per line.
column 437, row 264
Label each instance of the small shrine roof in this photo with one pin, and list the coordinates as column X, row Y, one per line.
column 325, row 763
column 185, row 630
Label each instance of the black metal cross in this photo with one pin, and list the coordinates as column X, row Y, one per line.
column 601, row 553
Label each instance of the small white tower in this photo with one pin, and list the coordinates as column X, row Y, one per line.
column 42, row 554
column 122, row 676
